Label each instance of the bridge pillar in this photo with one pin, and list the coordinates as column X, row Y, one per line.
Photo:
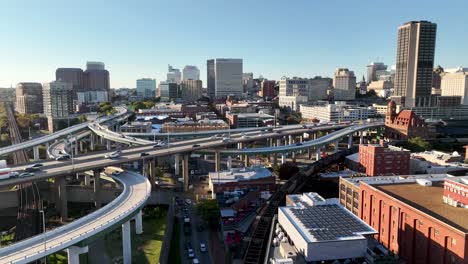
column 101, row 139
column 144, row 168
column 62, row 196
column 290, row 139
column 177, row 164
column 75, row 145
column 185, row 171
column 283, row 158
column 126, row 243
column 138, row 223
column 87, row 179
column 81, row 146
column 97, row 188
column 293, row 155
column 36, row 152
column 91, row 141
column 229, row 163
column 246, row 161
column 278, row 142
column 74, row 252
column 152, row 174
column 275, row 159
column 108, row 144
column 336, row 146
column 317, row 153
column 47, row 145
column 350, row 141
column 217, row 161
column 361, row 137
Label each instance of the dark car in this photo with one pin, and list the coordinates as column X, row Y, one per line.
column 31, row 169
column 63, row 157
column 143, row 154
column 304, row 126
column 298, row 144
column 37, row 165
column 278, row 132
column 196, row 146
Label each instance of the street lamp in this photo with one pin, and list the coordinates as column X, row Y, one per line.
column 44, row 231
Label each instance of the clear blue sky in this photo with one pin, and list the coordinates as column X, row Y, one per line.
column 274, row 37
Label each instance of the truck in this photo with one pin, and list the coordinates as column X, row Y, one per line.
column 5, row 172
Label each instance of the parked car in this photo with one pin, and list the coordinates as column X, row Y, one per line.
column 195, row 261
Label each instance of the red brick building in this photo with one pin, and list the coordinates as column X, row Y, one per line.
column 456, row 192
column 252, row 178
column 414, row 222
column 267, row 89
column 404, row 125
column 377, row 160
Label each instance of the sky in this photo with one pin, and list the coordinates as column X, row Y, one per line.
column 275, row 38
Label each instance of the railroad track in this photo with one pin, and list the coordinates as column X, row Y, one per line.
column 27, row 220
column 256, row 248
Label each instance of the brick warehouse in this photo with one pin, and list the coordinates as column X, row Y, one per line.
column 414, row 222
column 377, row 160
column 404, row 125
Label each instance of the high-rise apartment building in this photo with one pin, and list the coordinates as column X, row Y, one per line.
column 146, row 88
column 75, row 76
column 372, row 70
column 224, row 77
column 57, row 99
column 191, row 90
column 29, row 98
column 455, row 83
column 173, row 75
column 344, row 84
column 191, row 73
column 415, row 62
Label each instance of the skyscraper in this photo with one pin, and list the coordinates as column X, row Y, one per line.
column 227, row 75
column 173, row 75
column 96, row 79
column 415, row 62
column 344, row 84
column 372, row 70
column 146, row 88
column 75, row 76
column 57, row 98
column 191, row 73
column 191, row 90
column 29, row 98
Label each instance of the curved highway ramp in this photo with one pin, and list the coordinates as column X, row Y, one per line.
column 136, row 191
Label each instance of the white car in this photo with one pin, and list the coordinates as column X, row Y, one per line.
column 190, row 253
column 195, row 261
column 202, row 247
column 113, row 155
column 226, row 139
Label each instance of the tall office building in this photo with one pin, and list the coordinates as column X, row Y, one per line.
column 210, row 78
column 57, row 99
column 344, row 84
column 372, row 70
column 146, row 88
column 267, row 89
column 191, row 90
column 415, row 62
column 96, row 79
column 173, row 75
column 293, row 92
column 455, row 83
column 75, row 76
column 29, row 98
column 95, row 65
column 163, row 91
column 191, row 73
column 318, row 88
column 227, row 75
column 173, row 90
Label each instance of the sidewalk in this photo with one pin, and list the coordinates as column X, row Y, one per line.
column 217, row 250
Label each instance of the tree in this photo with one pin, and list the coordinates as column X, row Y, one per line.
column 287, row 170
column 82, row 118
column 209, row 211
column 418, row 144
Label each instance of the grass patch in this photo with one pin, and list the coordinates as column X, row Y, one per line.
column 58, row 258
column 174, row 253
column 146, row 248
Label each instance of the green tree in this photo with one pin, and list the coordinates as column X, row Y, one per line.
column 4, row 137
column 418, row 144
column 209, row 211
column 82, row 118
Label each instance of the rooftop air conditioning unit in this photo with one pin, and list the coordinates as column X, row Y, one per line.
column 424, row 182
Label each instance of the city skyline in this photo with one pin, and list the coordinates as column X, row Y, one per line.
column 132, row 48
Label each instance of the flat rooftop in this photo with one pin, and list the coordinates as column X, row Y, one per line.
column 428, row 199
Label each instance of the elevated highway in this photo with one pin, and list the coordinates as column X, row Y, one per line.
column 76, row 235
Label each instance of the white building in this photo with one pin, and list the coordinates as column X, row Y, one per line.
column 344, row 84
column 228, row 77
column 292, row 102
column 191, row 73
column 455, row 82
column 295, row 91
column 322, row 229
column 57, row 99
column 173, row 75
column 337, row 112
column 294, row 87
column 86, row 97
column 146, row 88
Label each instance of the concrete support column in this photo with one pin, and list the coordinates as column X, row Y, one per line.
column 177, row 165
column 87, row 179
column 138, row 223
column 108, row 144
column 293, row 155
column 283, row 158
column 317, row 154
column 229, row 163
column 246, row 161
column 74, row 252
column 278, row 142
column 81, row 146
column 309, row 153
column 314, row 136
column 290, row 139
column 36, row 152
column 217, row 161
column 91, row 141
column 126, row 243
column 275, row 159
column 185, row 171
column 62, row 194
column 47, row 145
column 101, row 139
column 97, row 188
column 350, row 141
column 336, row 146
column 361, row 137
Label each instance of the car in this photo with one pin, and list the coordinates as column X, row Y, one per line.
column 157, row 146
column 25, row 174
column 31, row 169
column 63, row 157
column 188, row 245
column 245, row 136
column 298, row 144
column 223, row 135
column 144, row 154
column 134, row 139
column 188, row 201
column 13, row 174
column 195, row 261
column 122, row 136
column 37, row 165
column 116, row 173
column 304, row 126
column 195, row 145
column 269, row 129
column 202, row 247
column 113, row 155
column 226, row 139
column 190, row 253
column 261, row 135
column 278, row 132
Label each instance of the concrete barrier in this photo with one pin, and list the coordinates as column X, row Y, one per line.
column 166, row 245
